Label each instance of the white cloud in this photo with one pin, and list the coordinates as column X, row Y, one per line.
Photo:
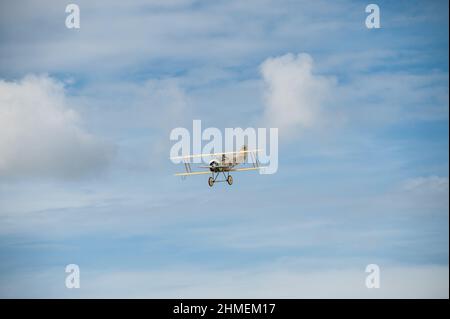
column 427, row 184
column 138, row 117
column 294, row 94
column 41, row 135
column 273, row 281
column 429, row 193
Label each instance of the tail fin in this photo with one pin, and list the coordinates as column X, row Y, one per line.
column 241, row 156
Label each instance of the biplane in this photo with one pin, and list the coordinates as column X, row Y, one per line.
column 222, row 164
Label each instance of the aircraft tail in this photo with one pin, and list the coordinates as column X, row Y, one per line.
column 242, row 155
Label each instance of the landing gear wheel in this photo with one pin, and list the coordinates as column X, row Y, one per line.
column 229, row 180
column 210, row 182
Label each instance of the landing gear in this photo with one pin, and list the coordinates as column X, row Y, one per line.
column 213, row 179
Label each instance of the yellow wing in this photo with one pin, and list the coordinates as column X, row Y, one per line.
column 193, row 173
column 232, row 170
column 247, row 169
column 215, row 154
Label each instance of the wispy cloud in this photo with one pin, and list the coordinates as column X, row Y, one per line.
column 364, row 178
column 268, row 282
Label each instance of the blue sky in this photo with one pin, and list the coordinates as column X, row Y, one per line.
column 85, row 117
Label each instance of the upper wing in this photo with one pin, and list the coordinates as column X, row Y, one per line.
column 215, row 154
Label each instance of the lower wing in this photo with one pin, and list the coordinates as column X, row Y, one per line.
column 231, row 170
column 246, row 169
column 193, row 173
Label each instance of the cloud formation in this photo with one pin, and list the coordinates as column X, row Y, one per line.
column 275, row 281
column 427, row 184
column 140, row 71
column 41, row 135
column 294, row 94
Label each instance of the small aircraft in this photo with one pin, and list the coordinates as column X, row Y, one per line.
column 222, row 163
